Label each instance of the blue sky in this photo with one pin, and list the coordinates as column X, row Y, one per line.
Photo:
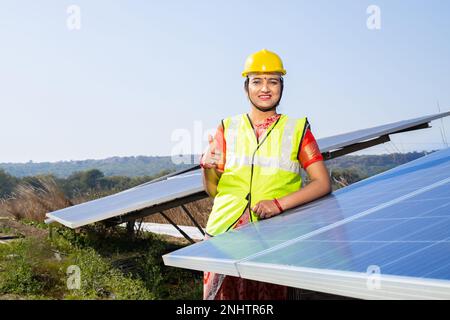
column 138, row 72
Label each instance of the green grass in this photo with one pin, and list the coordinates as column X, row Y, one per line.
column 37, row 269
column 25, row 269
column 5, row 229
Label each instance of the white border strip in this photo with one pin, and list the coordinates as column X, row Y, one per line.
column 353, row 284
column 222, row 266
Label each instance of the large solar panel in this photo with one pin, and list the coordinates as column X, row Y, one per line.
column 396, row 223
column 130, row 200
column 174, row 187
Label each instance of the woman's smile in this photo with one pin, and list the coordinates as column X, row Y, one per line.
column 265, row 97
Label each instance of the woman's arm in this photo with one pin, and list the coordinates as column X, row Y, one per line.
column 210, row 180
column 319, row 186
column 311, row 160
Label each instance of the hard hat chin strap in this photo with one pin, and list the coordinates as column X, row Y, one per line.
column 258, row 107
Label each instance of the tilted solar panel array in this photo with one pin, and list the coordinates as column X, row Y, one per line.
column 387, row 236
column 172, row 188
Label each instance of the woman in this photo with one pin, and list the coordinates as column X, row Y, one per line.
column 252, row 169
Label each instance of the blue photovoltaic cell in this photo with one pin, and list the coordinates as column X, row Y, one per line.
column 407, row 238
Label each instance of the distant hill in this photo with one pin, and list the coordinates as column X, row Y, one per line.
column 138, row 166
column 369, row 165
column 114, row 166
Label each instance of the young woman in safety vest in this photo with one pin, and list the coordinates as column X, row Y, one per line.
column 252, row 169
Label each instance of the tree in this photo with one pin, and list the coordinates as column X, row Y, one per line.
column 91, row 178
column 7, row 183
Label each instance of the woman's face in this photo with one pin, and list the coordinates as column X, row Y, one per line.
column 264, row 90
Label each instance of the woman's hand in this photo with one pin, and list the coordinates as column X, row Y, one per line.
column 266, row 209
column 212, row 156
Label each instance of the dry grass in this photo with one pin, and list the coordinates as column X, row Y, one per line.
column 339, row 182
column 32, row 203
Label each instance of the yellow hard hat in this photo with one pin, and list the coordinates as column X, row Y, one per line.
column 263, row 61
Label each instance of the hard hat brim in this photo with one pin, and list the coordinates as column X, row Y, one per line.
column 279, row 72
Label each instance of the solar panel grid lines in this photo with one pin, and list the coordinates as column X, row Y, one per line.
column 438, row 227
column 357, row 255
column 430, row 274
column 423, row 224
column 396, row 257
column 418, row 251
column 378, row 226
column 349, row 219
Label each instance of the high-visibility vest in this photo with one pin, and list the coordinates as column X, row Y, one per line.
column 255, row 170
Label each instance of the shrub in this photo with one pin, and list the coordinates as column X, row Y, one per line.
column 33, row 199
column 21, row 269
column 100, row 280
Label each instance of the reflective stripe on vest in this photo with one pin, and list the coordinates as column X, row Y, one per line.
column 255, row 170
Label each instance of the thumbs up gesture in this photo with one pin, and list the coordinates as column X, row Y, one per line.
column 212, row 156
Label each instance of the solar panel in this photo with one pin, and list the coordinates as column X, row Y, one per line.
column 397, row 223
column 343, row 140
column 130, row 200
column 167, row 190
